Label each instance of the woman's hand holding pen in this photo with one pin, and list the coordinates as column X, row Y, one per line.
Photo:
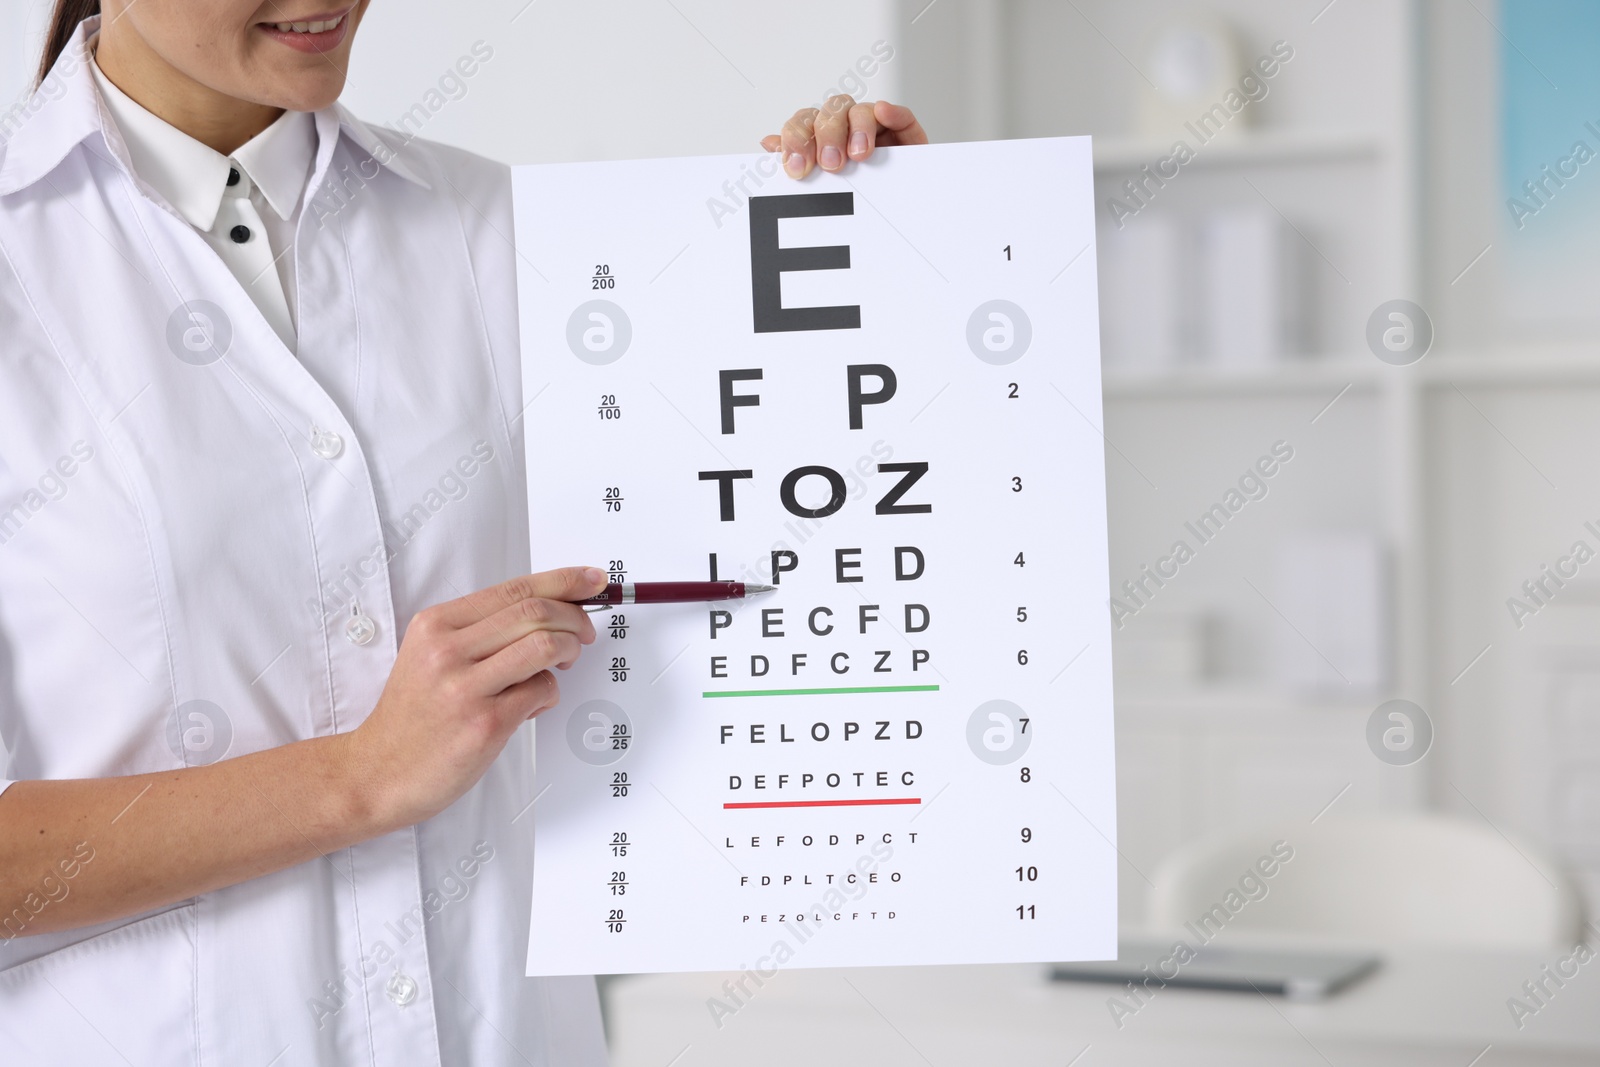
column 468, row 673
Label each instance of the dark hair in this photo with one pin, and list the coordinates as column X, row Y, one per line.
column 63, row 24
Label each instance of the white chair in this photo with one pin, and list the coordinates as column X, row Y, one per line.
column 1412, row 879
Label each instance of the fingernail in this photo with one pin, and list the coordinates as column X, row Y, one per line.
column 594, row 574
column 832, row 159
column 858, row 143
column 795, row 164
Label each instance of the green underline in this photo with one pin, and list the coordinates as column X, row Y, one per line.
column 820, row 692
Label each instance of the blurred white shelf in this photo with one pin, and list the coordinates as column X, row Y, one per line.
column 1242, row 149
column 1220, row 702
column 1310, row 375
column 1536, row 368
column 1533, row 367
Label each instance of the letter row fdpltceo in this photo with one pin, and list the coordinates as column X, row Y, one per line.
column 878, row 392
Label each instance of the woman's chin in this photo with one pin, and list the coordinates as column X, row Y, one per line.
column 300, row 91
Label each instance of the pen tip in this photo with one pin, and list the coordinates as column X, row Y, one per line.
column 752, row 590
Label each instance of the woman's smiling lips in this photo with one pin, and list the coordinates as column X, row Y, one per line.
column 320, row 33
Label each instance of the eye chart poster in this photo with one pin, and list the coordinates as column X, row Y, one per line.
column 879, row 392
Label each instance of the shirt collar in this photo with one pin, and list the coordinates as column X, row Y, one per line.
column 278, row 158
column 67, row 109
column 383, row 149
column 192, row 176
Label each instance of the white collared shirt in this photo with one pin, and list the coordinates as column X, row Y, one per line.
column 246, row 206
column 210, row 546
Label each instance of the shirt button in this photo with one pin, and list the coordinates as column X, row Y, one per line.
column 402, row 988
column 240, row 234
column 326, row 443
column 361, row 630
column 233, row 176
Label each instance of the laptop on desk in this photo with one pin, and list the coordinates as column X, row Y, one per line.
column 1295, row 973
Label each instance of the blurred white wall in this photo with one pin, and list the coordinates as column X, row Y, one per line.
column 19, row 44
column 570, row 81
column 622, row 80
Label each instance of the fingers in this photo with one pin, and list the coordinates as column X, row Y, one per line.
column 863, row 131
column 798, row 144
column 522, row 659
column 567, row 583
column 830, row 130
column 839, row 131
column 900, row 126
column 510, row 624
column 526, row 699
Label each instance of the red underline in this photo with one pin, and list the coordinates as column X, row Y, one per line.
column 821, row 803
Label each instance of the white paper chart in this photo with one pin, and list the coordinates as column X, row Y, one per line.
column 879, row 392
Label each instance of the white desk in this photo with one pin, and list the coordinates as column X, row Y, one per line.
column 1423, row 1007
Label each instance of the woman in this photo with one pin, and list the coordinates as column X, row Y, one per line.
column 261, row 472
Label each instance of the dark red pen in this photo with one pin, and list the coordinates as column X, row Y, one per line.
column 673, row 592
